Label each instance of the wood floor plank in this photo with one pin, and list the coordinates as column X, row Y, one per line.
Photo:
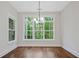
column 39, row 52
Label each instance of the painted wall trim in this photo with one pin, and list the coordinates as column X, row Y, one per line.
column 41, row 44
column 71, row 51
column 6, row 50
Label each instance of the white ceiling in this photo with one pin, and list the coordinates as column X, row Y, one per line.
column 46, row 6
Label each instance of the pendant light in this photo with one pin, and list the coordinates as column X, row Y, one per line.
column 41, row 19
column 39, row 11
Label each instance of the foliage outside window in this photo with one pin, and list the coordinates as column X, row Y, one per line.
column 11, row 30
column 36, row 28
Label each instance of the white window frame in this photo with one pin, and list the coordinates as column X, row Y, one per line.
column 11, row 29
column 33, row 39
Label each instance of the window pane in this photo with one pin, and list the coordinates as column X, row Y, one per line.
column 51, row 26
column 29, row 23
column 42, row 28
column 11, row 23
column 11, row 35
column 28, row 18
column 25, row 34
column 38, row 35
column 38, row 26
column 46, row 34
column 25, row 30
column 29, row 34
column 50, row 34
column 46, row 27
column 48, row 18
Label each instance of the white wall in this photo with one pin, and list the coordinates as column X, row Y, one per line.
column 22, row 42
column 68, row 19
column 6, row 11
column 70, row 28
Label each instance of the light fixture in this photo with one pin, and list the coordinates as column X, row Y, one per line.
column 39, row 10
column 35, row 20
column 41, row 19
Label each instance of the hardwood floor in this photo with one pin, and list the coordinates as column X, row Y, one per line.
column 39, row 52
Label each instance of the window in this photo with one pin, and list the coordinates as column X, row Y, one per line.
column 11, row 30
column 36, row 28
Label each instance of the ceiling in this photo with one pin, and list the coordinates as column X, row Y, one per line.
column 46, row 6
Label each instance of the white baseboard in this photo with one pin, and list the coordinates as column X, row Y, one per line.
column 5, row 50
column 42, row 45
column 71, row 51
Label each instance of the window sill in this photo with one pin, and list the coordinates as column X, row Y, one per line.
column 38, row 40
